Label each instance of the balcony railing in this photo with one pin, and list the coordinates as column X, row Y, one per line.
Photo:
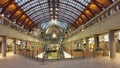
column 5, row 21
column 111, row 10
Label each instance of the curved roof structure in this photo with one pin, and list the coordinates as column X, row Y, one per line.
column 54, row 22
column 30, row 13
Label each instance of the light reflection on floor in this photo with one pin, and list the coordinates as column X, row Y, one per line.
column 66, row 55
column 17, row 61
column 8, row 54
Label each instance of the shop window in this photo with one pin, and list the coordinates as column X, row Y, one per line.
column 106, row 38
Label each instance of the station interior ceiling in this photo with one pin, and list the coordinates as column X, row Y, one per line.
column 52, row 16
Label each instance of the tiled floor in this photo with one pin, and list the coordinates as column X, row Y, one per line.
column 15, row 61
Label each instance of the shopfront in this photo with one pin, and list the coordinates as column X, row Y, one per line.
column 117, row 41
column 91, row 44
column 10, row 45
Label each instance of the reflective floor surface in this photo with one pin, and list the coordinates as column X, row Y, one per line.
column 16, row 61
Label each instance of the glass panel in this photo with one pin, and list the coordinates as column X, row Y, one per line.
column 35, row 8
column 66, row 16
column 1, row 9
column 114, row 0
column 21, row 2
column 71, row 6
column 85, row 2
column 43, row 20
column 46, row 20
column 38, row 10
column 37, row 13
column 54, row 22
column 67, row 19
column 70, row 12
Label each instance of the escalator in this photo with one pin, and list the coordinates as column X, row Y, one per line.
column 55, row 52
column 51, row 53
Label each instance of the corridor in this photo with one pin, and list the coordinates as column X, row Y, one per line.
column 59, row 33
column 16, row 61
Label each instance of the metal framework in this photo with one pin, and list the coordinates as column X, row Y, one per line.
column 41, row 11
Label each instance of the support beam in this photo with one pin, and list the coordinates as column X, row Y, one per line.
column 4, row 45
column 87, row 42
column 96, row 3
column 81, row 43
column 14, row 47
column 112, row 45
column 96, row 41
column 18, row 8
column 9, row 2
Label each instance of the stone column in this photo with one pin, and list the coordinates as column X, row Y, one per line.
column 81, row 43
column 4, row 46
column 14, row 47
column 96, row 44
column 87, row 42
column 96, row 41
column 112, row 44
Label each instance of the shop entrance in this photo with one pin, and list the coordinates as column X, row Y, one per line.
column 10, row 45
column 53, row 50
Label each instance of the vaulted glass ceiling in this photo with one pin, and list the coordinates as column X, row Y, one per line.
column 32, row 13
column 54, row 22
column 70, row 9
column 41, row 11
column 37, row 10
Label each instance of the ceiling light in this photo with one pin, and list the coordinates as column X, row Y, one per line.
column 51, row 16
column 18, row 12
column 92, row 5
column 51, row 9
column 55, row 16
column 87, row 11
column 51, row 13
column 2, row 15
column 56, row 9
column 77, row 22
column 12, row 6
column 56, row 12
column 54, row 35
column 82, row 15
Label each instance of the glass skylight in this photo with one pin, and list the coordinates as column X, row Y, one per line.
column 39, row 10
column 54, row 22
column 71, row 9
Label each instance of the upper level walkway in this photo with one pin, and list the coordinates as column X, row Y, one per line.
column 16, row 61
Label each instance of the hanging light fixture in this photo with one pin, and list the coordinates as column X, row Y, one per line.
column 54, row 35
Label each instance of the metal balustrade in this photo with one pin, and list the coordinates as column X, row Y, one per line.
column 5, row 21
column 111, row 10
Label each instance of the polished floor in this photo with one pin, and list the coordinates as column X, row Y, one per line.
column 16, row 61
